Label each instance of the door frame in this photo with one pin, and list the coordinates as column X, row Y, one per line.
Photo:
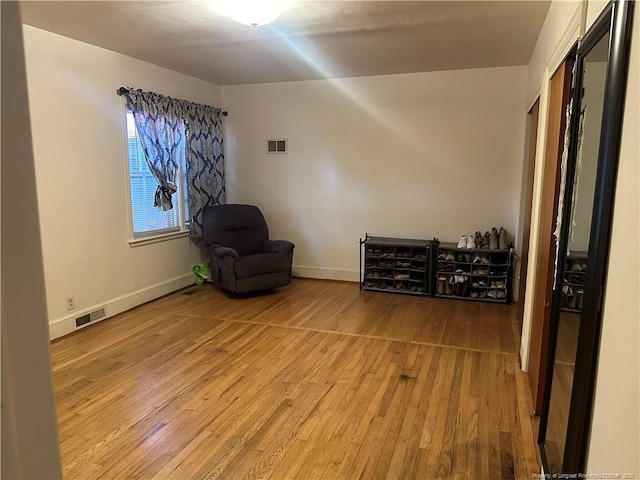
column 545, row 249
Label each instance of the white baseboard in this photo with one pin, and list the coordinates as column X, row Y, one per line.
column 326, row 273
column 64, row 325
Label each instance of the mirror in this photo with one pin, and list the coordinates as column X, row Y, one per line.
column 573, row 273
column 583, row 243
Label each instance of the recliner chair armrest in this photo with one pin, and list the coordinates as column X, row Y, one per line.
column 221, row 251
column 278, row 246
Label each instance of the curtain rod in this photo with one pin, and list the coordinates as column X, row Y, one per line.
column 122, row 90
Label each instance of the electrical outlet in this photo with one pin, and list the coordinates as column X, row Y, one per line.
column 71, row 303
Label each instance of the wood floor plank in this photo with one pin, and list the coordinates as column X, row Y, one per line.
column 318, row 380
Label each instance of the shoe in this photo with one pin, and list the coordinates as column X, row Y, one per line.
column 501, row 295
column 475, row 294
column 449, row 257
column 482, row 294
column 457, row 289
column 577, row 279
column 445, row 267
column 486, row 240
column 481, row 271
column 462, row 243
column 493, row 240
column 448, row 290
column 421, row 289
column 414, row 289
column 484, row 259
column 471, row 242
column 478, row 239
column 442, row 282
column 460, row 257
column 579, row 297
column 467, row 257
column 492, row 294
column 465, row 289
column 567, row 292
column 476, row 258
column 502, row 239
column 442, row 256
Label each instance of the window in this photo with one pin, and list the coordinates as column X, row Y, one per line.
column 147, row 220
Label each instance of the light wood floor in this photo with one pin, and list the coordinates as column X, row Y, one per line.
column 318, row 380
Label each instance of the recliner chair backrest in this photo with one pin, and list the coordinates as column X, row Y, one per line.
column 241, row 227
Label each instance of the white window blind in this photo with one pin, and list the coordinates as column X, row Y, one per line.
column 149, row 220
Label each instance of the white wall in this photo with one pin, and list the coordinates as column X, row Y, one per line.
column 615, row 433
column 559, row 31
column 29, row 431
column 594, row 9
column 80, row 152
column 411, row 155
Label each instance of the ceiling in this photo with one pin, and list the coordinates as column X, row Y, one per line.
column 313, row 39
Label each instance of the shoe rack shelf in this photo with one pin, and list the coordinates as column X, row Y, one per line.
column 432, row 268
column 396, row 265
column 479, row 274
column 573, row 282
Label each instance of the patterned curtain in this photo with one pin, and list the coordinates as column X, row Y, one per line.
column 205, row 161
column 161, row 131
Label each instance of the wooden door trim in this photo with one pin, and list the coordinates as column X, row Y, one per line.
column 528, row 203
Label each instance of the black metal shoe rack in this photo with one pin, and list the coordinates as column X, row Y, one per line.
column 480, row 274
column 396, row 265
column 431, row 268
column 575, row 272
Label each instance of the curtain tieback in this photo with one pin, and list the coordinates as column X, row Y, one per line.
column 163, row 195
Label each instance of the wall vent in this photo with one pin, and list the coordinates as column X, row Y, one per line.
column 90, row 317
column 277, row 145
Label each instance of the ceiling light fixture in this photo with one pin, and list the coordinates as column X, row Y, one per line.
column 254, row 13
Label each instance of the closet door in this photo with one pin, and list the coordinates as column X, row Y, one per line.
column 583, row 244
column 559, row 96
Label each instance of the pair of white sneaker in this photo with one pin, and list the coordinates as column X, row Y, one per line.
column 467, row 241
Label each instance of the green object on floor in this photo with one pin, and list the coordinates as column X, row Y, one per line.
column 202, row 273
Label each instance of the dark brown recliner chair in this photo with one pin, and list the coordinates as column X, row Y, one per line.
column 242, row 259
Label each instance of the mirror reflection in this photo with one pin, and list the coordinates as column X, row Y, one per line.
column 574, row 270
